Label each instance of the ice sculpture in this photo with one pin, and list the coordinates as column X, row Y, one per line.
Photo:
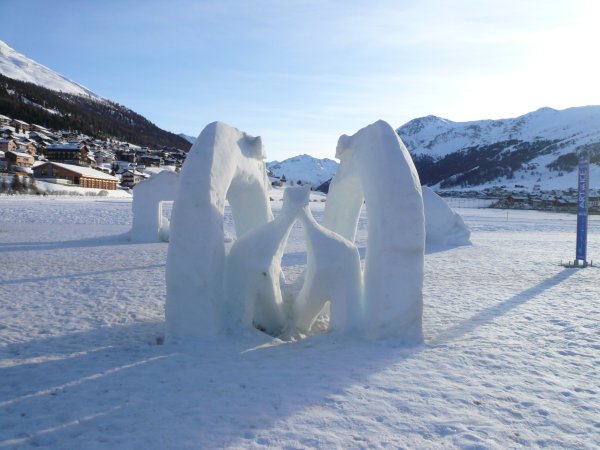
column 377, row 168
column 223, row 164
column 444, row 226
column 147, row 196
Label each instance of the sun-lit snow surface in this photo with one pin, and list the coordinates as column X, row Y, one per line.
column 511, row 356
column 15, row 65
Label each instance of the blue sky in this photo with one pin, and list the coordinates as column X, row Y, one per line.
column 301, row 73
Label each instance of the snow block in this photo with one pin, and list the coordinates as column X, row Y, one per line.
column 443, row 225
column 223, row 164
column 377, row 168
column 147, row 196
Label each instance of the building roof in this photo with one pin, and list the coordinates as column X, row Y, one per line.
column 21, row 154
column 85, row 171
column 64, row 146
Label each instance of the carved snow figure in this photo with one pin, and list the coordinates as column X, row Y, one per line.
column 253, row 271
column 224, row 163
column 333, row 273
column 376, row 167
column 444, row 226
column 147, row 196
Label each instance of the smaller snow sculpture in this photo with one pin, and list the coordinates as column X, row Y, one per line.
column 147, row 196
column 333, row 274
column 444, row 226
column 253, row 271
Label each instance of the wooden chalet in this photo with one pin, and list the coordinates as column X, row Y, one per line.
column 70, row 153
column 77, row 175
column 7, row 145
column 18, row 159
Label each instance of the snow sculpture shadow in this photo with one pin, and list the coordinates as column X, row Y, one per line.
column 223, row 164
column 376, row 168
column 147, row 196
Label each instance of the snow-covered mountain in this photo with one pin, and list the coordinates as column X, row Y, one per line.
column 187, row 137
column 19, row 67
column 541, row 147
column 304, row 168
column 36, row 94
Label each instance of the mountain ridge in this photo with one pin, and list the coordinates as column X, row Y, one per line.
column 305, row 169
column 541, row 148
column 17, row 66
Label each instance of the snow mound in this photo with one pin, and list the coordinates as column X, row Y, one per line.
column 444, row 226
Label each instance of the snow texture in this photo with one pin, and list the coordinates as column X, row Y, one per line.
column 377, row 168
column 147, row 196
column 442, row 224
column 510, row 359
column 223, row 164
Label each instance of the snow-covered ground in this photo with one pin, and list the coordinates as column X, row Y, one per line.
column 511, row 359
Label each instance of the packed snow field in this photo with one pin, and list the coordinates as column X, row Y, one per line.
column 511, row 358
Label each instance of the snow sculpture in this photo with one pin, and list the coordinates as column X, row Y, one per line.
column 376, row 167
column 223, row 164
column 147, row 196
column 444, row 226
column 333, row 273
column 253, row 290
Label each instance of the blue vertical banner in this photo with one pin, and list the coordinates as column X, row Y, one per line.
column 582, row 209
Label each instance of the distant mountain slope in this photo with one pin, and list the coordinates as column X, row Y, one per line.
column 304, row 168
column 36, row 94
column 540, row 147
column 99, row 119
column 17, row 66
column 187, row 137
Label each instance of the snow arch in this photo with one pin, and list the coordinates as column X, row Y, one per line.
column 147, row 196
column 223, row 164
column 376, row 168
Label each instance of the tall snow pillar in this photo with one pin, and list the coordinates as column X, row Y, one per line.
column 375, row 166
column 223, row 164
